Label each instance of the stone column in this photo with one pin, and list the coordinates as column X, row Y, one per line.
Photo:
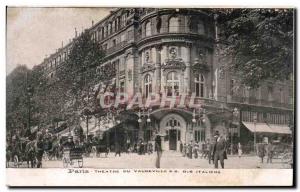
column 187, row 72
column 118, row 73
column 129, row 86
column 157, row 70
column 162, row 60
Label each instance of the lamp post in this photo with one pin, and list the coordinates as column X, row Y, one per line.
column 235, row 114
column 143, row 114
column 254, row 121
column 201, row 118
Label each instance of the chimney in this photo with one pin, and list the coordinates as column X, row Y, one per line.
column 75, row 32
column 92, row 22
column 62, row 44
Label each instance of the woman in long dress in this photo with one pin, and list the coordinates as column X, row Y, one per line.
column 240, row 150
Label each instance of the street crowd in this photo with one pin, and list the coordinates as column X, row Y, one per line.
column 33, row 149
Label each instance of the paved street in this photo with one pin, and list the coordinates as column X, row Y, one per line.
column 170, row 159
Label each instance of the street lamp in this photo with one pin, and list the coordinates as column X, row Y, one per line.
column 255, row 121
column 235, row 114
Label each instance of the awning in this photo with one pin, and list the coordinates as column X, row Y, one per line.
column 281, row 129
column 258, row 127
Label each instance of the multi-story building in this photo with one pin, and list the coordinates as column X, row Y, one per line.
column 175, row 52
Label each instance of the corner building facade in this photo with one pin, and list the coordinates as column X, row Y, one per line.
column 174, row 52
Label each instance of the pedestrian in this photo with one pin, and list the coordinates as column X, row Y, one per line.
column 240, row 150
column 69, row 144
column 181, row 146
column 184, row 149
column 269, row 151
column 210, row 151
column 117, row 149
column 219, row 152
column 150, row 148
column 195, row 150
column 158, row 150
column 261, row 151
column 190, row 150
column 40, row 151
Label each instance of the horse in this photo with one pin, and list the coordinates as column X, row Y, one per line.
column 30, row 154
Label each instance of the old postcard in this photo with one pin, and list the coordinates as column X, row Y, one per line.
column 150, row 96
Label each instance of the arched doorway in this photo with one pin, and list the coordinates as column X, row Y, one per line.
column 173, row 127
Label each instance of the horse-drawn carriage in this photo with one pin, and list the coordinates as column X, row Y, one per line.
column 73, row 155
column 20, row 151
column 283, row 152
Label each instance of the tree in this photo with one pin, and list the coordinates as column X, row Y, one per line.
column 78, row 73
column 260, row 42
column 17, row 98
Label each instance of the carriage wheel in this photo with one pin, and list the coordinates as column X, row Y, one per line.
column 16, row 161
column 80, row 163
column 65, row 162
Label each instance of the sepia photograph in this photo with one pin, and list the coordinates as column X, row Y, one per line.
column 178, row 92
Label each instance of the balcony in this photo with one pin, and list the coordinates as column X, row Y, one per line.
column 259, row 102
column 116, row 48
column 182, row 30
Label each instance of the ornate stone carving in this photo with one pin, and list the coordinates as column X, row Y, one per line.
column 200, row 64
column 147, row 67
column 176, row 63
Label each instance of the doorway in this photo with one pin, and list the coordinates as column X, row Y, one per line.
column 173, row 139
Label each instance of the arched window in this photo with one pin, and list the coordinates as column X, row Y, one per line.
column 200, row 86
column 172, row 84
column 148, row 85
column 148, row 28
column 200, row 28
column 174, row 24
column 173, row 123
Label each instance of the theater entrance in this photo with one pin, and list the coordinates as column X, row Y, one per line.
column 173, row 139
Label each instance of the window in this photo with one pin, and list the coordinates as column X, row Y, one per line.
column 118, row 23
column 99, row 34
column 113, row 25
column 105, row 46
column 231, row 87
column 109, row 29
column 158, row 24
column 148, row 85
column 173, row 123
column 103, row 32
column 270, row 93
column 114, row 42
column 281, row 95
column 106, row 31
column 200, row 86
column 122, row 66
column 172, row 84
column 174, row 24
column 123, row 37
column 122, row 87
column 199, row 135
column 148, row 28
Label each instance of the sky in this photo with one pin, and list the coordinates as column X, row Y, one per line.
column 33, row 33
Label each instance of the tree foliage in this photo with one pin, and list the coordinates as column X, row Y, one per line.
column 57, row 99
column 260, row 42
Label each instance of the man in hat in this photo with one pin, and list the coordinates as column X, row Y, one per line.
column 158, row 149
column 70, row 143
column 219, row 151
